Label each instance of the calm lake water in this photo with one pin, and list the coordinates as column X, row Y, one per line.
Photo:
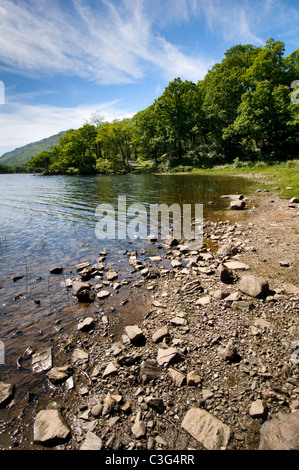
column 50, row 221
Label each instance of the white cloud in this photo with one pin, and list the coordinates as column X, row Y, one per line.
column 114, row 43
column 22, row 124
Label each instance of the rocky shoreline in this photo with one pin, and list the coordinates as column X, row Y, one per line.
column 212, row 364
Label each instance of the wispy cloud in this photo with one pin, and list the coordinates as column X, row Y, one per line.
column 113, row 42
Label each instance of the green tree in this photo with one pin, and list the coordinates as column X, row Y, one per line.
column 262, row 125
column 115, row 143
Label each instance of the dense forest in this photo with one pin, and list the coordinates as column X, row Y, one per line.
column 245, row 109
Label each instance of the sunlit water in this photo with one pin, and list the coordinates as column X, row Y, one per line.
column 50, row 221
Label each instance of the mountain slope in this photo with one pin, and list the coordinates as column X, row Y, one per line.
column 22, row 155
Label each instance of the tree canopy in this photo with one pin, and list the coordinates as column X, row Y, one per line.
column 242, row 108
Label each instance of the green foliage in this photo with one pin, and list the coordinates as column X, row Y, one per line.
column 240, row 113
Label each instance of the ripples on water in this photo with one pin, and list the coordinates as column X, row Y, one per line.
column 50, row 221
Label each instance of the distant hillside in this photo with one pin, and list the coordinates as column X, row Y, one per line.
column 22, row 155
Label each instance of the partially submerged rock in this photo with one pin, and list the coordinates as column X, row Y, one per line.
column 6, row 393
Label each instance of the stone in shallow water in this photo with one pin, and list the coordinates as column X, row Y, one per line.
column 42, row 360
column 6, row 393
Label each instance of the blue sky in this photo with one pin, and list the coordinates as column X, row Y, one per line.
column 63, row 60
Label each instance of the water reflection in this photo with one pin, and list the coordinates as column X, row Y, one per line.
column 48, row 221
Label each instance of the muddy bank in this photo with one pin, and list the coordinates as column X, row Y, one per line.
column 174, row 352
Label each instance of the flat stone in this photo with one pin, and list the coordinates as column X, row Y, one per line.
column 82, row 266
column 291, row 289
column 236, row 265
column 92, row 442
column 168, row 356
column 80, row 356
column 178, row 321
column 58, row 375
column 50, row 428
column 155, row 259
column 176, row 263
column 177, row 377
column 86, row 324
column 110, row 370
column 281, row 432
column 258, row 409
column 156, row 404
column 254, row 286
column 111, row 275
column 56, row 270
column 6, row 393
column 103, row 294
column 233, row 197
column 206, row 429
column 139, row 429
column 134, row 333
column 203, row 300
column 42, row 360
column 160, row 334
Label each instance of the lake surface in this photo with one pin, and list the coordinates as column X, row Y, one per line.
column 50, row 221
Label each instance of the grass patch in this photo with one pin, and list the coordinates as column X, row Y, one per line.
column 277, row 177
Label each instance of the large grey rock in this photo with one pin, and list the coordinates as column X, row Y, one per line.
column 254, row 286
column 6, row 393
column 206, row 429
column 281, row 432
column 50, row 428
